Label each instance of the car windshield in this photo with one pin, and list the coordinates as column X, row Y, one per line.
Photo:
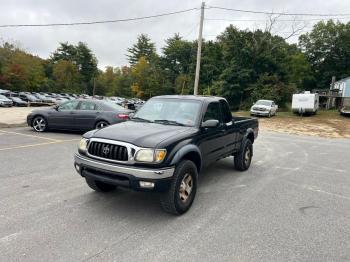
column 169, row 111
column 263, row 103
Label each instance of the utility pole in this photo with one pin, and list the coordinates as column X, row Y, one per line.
column 199, row 51
column 94, row 90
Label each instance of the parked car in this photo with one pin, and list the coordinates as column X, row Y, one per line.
column 264, row 108
column 77, row 115
column 345, row 108
column 60, row 100
column 305, row 103
column 4, row 101
column 28, row 97
column 43, row 98
column 164, row 146
column 17, row 101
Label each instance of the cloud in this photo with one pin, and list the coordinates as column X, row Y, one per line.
column 110, row 41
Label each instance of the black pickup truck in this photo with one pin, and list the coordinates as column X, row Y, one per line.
column 164, row 147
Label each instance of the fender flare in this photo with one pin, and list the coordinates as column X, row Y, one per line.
column 247, row 133
column 185, row 150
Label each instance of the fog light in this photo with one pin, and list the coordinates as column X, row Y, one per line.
column 77, row 167
column 146, row 184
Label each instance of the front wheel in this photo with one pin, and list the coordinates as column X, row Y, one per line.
column 39, row 124
column 179, row 198
column 244, row 157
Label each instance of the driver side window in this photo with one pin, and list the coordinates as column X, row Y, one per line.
column 213, row 112
column 70, row 105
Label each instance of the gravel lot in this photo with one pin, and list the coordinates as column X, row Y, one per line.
column 15, row 116
column 293, row 204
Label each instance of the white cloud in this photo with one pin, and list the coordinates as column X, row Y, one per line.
column 110, row 41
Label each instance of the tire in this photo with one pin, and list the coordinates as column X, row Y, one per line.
column 99, row 186
column 185, row 179
column 269, row 115
column 39, row 124
column 243, row 158
column 101, row 124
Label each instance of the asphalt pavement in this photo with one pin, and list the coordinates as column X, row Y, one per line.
column 293, row 204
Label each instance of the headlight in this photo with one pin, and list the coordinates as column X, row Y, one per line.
column 150, row 155
column 83, row 145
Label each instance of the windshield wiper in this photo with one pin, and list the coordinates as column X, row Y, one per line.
column 141, row 119
column 168, row 122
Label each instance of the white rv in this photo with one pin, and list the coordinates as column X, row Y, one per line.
column 305, row 103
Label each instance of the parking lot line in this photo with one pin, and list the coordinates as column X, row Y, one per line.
column 38, row 144
column 35, row 136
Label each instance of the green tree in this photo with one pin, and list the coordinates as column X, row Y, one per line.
column 21, row 71
column 83, row 58
column 327, row 48
column 66, row 76
column 147, row 80
column 143, row 48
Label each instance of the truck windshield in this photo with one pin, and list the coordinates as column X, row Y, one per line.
column 169, row 112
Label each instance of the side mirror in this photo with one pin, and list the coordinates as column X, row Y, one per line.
column 210, row 123
column 56, row 107
column 131, row 115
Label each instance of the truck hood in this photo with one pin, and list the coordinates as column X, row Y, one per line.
column 261, row 106
column 140, row 133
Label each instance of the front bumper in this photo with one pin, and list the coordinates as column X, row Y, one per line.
column 123, row 175
column 259, row 113
column 345, row 112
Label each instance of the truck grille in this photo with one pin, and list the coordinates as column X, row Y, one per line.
column 259, row 108
column 108, row 151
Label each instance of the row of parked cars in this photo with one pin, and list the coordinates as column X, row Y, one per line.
column 9, row 98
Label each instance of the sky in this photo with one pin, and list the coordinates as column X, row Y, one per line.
column 109, row 42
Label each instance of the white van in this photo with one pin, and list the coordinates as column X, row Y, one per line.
column 305, row 103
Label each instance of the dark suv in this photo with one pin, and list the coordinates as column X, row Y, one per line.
column 164, row 147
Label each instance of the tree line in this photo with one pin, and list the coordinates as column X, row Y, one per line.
column 241, row 65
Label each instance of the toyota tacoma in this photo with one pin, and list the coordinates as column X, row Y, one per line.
column 164, row 146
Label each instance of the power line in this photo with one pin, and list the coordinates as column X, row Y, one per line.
column 274, row 13
column 99, row 22
column 264, row 20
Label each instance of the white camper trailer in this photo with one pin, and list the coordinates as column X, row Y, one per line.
column 305, row 103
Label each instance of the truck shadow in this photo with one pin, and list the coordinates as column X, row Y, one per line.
column 145, row 206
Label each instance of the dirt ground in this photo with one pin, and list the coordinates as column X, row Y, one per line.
column 325, row 124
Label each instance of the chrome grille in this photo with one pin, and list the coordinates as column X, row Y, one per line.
column 108, row 151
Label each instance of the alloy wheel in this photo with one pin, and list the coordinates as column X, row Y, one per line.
column 39, row 124
column 247, row 156
column 186, row 187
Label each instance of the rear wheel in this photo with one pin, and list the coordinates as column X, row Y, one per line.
column 99, row 186
column 244, row 157
column 179, row 198
column 39, row 124
column 101, row 124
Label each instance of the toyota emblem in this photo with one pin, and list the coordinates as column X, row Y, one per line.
column 105, row 150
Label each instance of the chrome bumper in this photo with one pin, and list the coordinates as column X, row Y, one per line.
column 83, row 161
column 262, row 113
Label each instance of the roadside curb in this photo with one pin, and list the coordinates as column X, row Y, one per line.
column 4, row 125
